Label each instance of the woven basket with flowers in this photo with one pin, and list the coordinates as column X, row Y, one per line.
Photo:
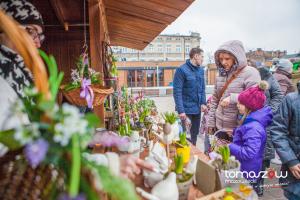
column 85, row 88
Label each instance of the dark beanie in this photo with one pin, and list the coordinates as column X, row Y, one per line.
column 22, row 11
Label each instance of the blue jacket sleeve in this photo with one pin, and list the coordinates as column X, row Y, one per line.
column 279, row 132
column 252, row 144
column 177, row 90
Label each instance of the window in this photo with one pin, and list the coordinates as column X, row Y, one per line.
column 161, row 77
column 178, row 48
column 124, row 50
column 169, row 38
column 151, row 49
column 140, row 78
column 187, row 48
column 160, row 48
column 130, row 78
column 150, row 78
column 168, row 48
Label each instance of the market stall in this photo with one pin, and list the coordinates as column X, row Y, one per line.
column 57, row 153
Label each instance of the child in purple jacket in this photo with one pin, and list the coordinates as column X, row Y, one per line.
column 249, row 138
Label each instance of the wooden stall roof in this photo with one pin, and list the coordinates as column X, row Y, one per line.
column 135, row 23
column 130, row 23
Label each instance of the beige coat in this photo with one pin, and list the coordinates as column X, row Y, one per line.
column 226, row 118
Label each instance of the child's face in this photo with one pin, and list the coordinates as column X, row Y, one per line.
column 241, row 108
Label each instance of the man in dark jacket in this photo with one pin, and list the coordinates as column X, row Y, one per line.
column 189, row 91
column 274, row 98
column 285, row 134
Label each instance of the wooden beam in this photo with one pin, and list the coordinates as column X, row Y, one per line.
column 176, row 4
column 97, row 35
column 131, row 19
column 144, row 13
column 130, row 43
column 103, row 19
column 131, row 30
column 154, row 6
column 116, row 25
column 131, row 35
column 58, row 12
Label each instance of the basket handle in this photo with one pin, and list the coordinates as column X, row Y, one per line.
column 25, row 47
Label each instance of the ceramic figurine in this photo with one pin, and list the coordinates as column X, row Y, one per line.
column 164, row 190
column 135, row 143
column 192, row 165
column 157, row 157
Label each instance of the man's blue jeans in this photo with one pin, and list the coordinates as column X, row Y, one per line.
column 195, row 120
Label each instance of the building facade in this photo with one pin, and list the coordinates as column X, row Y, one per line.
column 260, row 55
column 162, row 48
column 156, row 64
column 147, row 73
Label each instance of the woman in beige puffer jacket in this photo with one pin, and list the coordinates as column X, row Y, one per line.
column 229, row 58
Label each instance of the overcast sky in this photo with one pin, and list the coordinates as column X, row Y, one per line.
column 268, row 24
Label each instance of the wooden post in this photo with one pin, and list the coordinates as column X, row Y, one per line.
column 135, row 78
column 98, row 33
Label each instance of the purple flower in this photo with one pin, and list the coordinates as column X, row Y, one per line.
column 65, row 196
column 110, row 139
column 36, row 151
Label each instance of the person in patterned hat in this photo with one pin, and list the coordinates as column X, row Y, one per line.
column 14, row 76
column 27, row 16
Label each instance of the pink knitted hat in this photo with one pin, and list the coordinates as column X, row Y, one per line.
column 254, row 97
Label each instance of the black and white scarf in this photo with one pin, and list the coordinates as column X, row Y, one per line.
column 13, row 70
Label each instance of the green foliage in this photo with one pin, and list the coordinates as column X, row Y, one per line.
column 7, row 138
column 170, row 117
column 224, row 151
column 55, row 77
column 114, row 71
column 178, row 164
column 72, row 86
column 83, row 71
column 146, row 112
column 182, row 139
column 125, row 128
column 93, row 119
column 116, row 187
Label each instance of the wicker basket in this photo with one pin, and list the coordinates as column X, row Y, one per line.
column 220, row 138
column 100, row 93
column 20, row 181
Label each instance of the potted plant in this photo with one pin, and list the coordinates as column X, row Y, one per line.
column 171, row 125
column 86, row 88
column 184, row 179
column 224, row 162
column 183, row 147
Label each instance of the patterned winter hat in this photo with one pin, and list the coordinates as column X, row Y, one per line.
column 254, row 97
column 22, row 11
